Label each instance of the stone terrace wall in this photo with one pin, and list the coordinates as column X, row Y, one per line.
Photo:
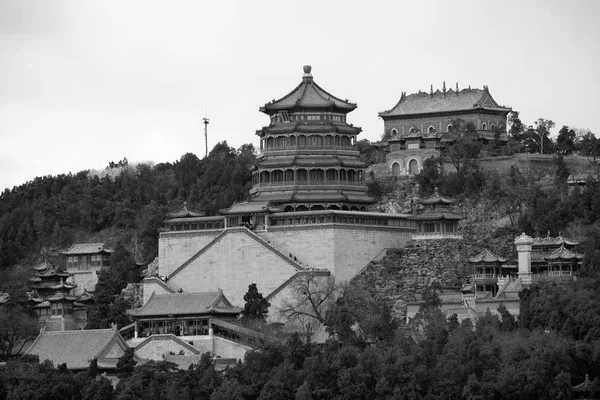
column 401, row 276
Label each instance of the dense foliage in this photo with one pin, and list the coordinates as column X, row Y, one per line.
column 122, row 203
column 493, row 359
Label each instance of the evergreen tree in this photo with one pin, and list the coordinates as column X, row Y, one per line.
column 256, row 307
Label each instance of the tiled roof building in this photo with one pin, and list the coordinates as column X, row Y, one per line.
column 307, row 161
column 83, row 261
column 436, row 220
column 418, row 125
column 52, row 299
column 77, row 348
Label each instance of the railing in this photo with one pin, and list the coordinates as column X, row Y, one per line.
column 485, row 276
column 307, row 183
column 436, row 235
column 561, row 273
column 309, row 149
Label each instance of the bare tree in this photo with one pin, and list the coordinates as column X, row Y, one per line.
column 312, row 295
column 17, row 330
column 542, row 132
column 18, row 325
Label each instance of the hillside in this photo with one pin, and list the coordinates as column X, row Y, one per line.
column 124, row 203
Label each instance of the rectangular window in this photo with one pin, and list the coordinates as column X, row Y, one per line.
column 412, row 146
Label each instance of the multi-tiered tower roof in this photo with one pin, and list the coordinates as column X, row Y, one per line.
column 307, row 159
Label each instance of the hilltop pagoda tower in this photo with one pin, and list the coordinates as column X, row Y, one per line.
column 307, row 161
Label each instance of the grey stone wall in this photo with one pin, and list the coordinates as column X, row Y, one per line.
column 403, row 274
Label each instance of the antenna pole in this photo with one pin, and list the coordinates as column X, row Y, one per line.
column 206, row 121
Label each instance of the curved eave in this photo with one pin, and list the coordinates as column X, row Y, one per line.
column 486, row 256
column 207, row 312
column 437, row 217
column 271, row 109
column 436, row 201
column 321, row 100
column 307, row 127
column 385, row 115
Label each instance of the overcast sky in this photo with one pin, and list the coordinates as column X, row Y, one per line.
column 86, row 82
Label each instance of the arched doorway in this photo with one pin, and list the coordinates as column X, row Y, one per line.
column 395, row 169
column 413, row 167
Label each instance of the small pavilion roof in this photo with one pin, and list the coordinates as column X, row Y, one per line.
column 563, row 254
column 308, row 95
column 486, row 256
column 436, row 198
column 185, row 213
column 444, row 101
column 585, row 386
column 185, row 304
column 86, row 248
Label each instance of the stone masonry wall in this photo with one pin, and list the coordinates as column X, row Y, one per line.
column 344, row 250
column 155, row 349
column 404, row 273
column 234, row 262
column 175, row 248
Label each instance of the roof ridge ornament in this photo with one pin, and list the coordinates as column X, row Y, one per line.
column 307, row 75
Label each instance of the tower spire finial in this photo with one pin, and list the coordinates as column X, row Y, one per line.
column 444, row 87
column 307, row 75
column 431, row 90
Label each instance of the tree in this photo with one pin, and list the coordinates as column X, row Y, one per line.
column 312, row 294
column 430, row 176
column 565, row 141
column 18, row 324
column 463, row 146
column 590, row 148
column 542, row 133
column 256, row 307
column 17, row 330
column 126, row 363
column 516, row 127
column 109, row 307
column 358, row 317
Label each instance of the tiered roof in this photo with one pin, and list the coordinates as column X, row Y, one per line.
column 436, row 198
column 436, row 209
column 308, row 95
column 49, row 285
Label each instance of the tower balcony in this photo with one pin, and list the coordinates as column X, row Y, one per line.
column 306, row 185
column 309, row 150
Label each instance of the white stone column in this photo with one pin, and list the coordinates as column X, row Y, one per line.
column 523, row 244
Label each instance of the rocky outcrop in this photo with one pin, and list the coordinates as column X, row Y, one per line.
column 402, row 275
column 134, row 293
